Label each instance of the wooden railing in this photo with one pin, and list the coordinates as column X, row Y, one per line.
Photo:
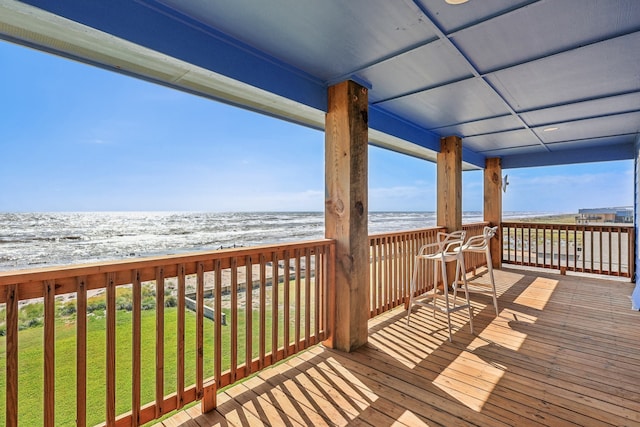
column 597, row 249
column 392, row 261
column 171, row 356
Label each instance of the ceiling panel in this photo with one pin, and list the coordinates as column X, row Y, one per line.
column 517, row 151
column 460, row 102
column 425, row 67
column 593, row 142
column 453, row 17
column 618, row 124
column 545, row 28
column 326, row 38
column 509, row 139
column 594, row 71
column 587, row 109
column 479, row 127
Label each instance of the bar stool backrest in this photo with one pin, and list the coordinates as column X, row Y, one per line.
column 448, row 242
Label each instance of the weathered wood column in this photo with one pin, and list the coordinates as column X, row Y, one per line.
column 449, row 182
column 346, row 149
column 493, row 205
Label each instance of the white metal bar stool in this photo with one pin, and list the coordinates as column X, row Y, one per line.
column 480, row 244
column 446, row 249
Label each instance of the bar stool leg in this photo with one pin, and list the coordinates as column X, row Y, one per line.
column 493, row 281
column 445, row 290
column 461, row 267
column 435, row 286
column 412, row 288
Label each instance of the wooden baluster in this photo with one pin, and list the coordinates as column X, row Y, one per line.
column 49, row 352
column 159, row 342
column 631, row 247
column 575, row 249
column 372, row 276
column 298, row 302
column 396, row 272
column 307, row 297
column 263, row 284
column 390, row 273
column 111, row 349
column 287, row 314
column 316, row 292
column 274, row 309
column 210, row 390
column 217, row 357
column 234, row 319
column 81, row 352
column 199, row 329
column 529, row 245
column 11, row 368
column 180, row 335
column 610, row 233
column 601, row 265
column 373, row 306
column 404, row 279
column 584, row 250
column 380, row 277
column 136, row 348
column 249, row 315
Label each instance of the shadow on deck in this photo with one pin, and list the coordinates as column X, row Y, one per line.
column 564, row 351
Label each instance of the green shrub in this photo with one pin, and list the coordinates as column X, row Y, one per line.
column 67, row 309
column 31, row 311
column 149, row 303
column 96, row 305
column 124, row 302
column 148, row 291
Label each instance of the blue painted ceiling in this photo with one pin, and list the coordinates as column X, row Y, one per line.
column 498, row 73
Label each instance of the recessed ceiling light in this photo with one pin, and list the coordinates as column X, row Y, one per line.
column 549, row 129
column 456, row 1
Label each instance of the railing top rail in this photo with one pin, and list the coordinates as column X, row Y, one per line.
column 77, row 270
column 605, row 227
column 476, row 224
column 422, row 230
column 405, row 232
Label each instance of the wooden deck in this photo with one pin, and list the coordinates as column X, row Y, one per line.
column 564, row 351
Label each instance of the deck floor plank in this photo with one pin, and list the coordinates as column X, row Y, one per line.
column 563, row 352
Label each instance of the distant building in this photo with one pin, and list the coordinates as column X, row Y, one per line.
column 605, row 215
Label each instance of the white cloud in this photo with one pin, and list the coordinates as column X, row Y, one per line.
column 98, row 141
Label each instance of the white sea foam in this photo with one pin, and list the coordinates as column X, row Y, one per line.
column 30, row 240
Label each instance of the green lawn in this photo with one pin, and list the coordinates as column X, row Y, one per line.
column 31, row 363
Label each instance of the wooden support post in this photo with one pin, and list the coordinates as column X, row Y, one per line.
column 346, row 149
column 493, row 206
column 449, row 182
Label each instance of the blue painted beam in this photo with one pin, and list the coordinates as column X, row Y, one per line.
column 565, row 157
column 391, row 124
column 152, row 25
column 472, row 157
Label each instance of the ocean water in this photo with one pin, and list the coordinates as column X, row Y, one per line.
column 31, row 240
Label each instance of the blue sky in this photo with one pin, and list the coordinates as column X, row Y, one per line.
column 77, row 138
